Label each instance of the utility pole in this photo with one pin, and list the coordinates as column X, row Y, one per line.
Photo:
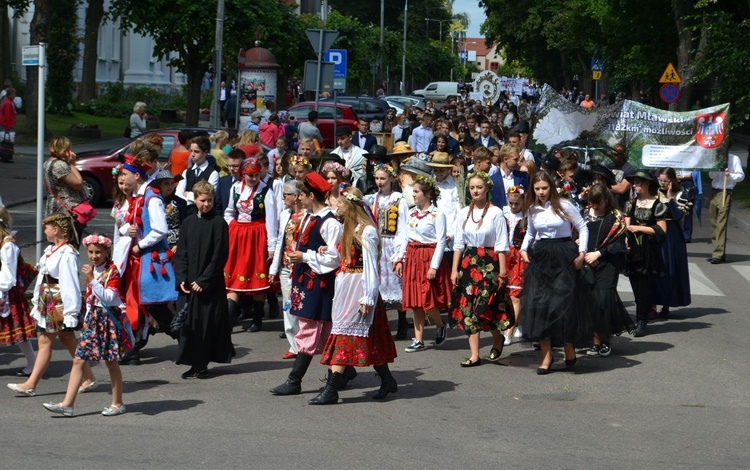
column 216, row 107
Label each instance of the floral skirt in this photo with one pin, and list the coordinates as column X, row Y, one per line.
column 375, row 349
column 101, row 339
column 246, row 269
column 418, row 291
column 478, row 303
column 18, row 326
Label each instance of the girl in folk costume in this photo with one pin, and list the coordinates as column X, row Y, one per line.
column 56, row 303
column 16, row 326
column 390, row 211
column 555, row 304
column 337, row 176
column 313, row 278
column 149, row 274
column 120, row 243
column 201, row 254
column 253, row 226
column 605, row 258
column 426, row 277
column 299, row 167
column 480, row 300
column 106, row 333
column 515, row 216
column 360, row 335
column 175, row 208
column 281, row 266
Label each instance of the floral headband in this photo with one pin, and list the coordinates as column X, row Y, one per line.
column 329, row 165
column 97, row 240
column 116, row 170
column 351, row 197
column 483, row 176
column 386, row 168
column 516, row 190
column 430, row 183
column 300, row 160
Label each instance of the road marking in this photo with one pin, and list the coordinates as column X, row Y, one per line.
column 699, row 283
column 744, row 271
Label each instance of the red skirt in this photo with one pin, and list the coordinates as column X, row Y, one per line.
column 18, row 326
column 246, row 269
column 516, row 268
column 419, row 292
column 375, row 349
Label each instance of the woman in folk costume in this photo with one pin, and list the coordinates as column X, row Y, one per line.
column 360, row 335
column 390, row 210
column 149, row 274
column 253, row 226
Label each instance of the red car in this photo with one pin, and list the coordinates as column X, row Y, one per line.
column 345, row 116
column 96, row 166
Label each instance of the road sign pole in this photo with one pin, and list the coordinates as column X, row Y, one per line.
column 320, row 65
column 42, row 78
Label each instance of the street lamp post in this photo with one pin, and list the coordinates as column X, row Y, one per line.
column 427, row 20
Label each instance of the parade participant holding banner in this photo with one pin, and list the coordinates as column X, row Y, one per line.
column 722, row 185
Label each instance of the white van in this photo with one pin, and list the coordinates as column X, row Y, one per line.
column 438, row 91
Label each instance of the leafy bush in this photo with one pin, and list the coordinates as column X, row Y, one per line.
column 117, row 100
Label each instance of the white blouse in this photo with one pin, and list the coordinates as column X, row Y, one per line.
column 246, row 196
column 543, row 222
column 331, row 231
column 157, row 217
column 370, row 264
column 8, row 274
column 60, row 263
column 492, row 233
column 513, row 220
column 425, row 227
column 448, row 202
column 101, row 294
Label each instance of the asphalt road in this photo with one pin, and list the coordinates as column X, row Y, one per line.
column 677, row 398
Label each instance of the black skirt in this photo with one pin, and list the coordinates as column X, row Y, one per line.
column 556, row 304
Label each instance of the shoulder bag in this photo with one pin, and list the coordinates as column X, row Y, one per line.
column 82, row 213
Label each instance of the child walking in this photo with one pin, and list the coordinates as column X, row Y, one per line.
column 515, row 216
column 106, row 333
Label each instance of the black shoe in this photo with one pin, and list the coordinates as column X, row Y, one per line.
column 569, row 363
column 715, row 261
column 548, row 370
column 664, row 313
column 131, row 358
column 253, row 328
column 195, row 373
column 640, row 329
column 468, row 363
column 21, row 373
column 282, row 335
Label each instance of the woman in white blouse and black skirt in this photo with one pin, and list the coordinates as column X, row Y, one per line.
column 555, row 304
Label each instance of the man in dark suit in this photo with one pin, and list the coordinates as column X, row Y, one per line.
column 508, row 174
column 485, row 135
column 362, row 138
column 444, row 128
column 234, row 167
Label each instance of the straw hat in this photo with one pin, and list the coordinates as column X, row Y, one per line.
column 402, row 149
column 440, row 160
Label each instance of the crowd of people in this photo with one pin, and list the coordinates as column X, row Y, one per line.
column 466, row 229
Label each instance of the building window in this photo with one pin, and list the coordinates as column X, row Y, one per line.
column 494, row 66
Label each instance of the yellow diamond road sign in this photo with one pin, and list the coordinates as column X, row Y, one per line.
column 670, row 75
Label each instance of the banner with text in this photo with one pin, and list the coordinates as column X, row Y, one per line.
column 653, row 137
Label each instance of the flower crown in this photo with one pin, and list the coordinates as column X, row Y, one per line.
column 116, row 170
column 97, row 240
column 429, row 181
column 516, row 190
column 483, row 176
column 385, row 167
column 331, row 165
column 353, row 198
column 300, row 160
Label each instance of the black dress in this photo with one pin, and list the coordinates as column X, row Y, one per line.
column 611, row 316
column 202, row 251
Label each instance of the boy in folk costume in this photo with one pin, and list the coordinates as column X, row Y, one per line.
column 313, row 277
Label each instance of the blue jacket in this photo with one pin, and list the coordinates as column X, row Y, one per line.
column 367, row 144
column 225, row 187
column 520, row 178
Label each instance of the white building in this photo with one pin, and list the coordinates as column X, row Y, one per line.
column 122, row 55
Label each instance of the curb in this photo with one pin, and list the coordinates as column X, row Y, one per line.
column 20, row 202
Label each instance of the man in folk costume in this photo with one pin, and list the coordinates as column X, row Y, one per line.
column 313, row 278
column 149, row 274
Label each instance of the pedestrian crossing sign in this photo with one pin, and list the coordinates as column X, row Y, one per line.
column 670, row 75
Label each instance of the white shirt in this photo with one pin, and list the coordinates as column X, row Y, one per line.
column 331, row 231
column 421, row 138
column 157, row 217
column 513, row 220
column 60, row 263
column 448, row 202
column 507, row 179
column 527, row 155
column 247, row 195
column 370, row 266
column 355, row 161
column 8, row 274
column 429, row 229
column 102, row 295
column 736, row 175
column 186, row 193
column 492, row 234
column 544, row 222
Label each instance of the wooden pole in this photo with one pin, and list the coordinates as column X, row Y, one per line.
column 724, row 192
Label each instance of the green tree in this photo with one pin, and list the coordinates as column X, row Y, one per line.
column 62, row 53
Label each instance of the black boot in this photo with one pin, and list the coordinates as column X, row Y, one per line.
column 131, row 358
column 329, row 395
column 640, row 328
column 257, row 323
column 273, row 305
column 402, row 325
column 387, row 382
column 234, row 312
column 293, row 384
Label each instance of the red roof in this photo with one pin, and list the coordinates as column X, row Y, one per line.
column 477, row 44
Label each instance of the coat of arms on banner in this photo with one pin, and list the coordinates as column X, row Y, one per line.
column 710, row 129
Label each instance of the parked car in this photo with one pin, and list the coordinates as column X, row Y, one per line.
column 345, row 116
column 416, row 102
column 399, row 107
column 439, row 91
column 365, row 106
column 96, row 165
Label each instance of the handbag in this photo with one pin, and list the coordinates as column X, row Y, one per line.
column 587, row 275
column 127, row 133
column 7, row 147
column 178, row 321
column 82, row 212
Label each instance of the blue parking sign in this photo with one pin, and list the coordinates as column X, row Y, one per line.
column 338, row 57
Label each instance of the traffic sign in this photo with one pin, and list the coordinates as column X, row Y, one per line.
column 327, row 41
column 597, row 65
column 463, row 55
column 596, row 75
column 669, row 93
column 326, row 75
column 241, row 60
column 30, row 55
column 338, row 57
column 670, row 75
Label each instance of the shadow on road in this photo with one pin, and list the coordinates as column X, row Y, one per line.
column 153, row 408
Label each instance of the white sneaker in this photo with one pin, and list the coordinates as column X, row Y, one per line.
column 508, row 341
column 518, row 333
column 415, row 346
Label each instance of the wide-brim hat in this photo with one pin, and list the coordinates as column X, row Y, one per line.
column 605, row 173
column 401, row 149
column 417, row 166
column 551, row 163
column 162, row 175
column 377, row 152
column 332, row 157
column 440, row 160
column 343, row 131
column 523, row 127
column 641, row 174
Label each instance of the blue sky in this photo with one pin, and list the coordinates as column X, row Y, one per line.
column 476, row 14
